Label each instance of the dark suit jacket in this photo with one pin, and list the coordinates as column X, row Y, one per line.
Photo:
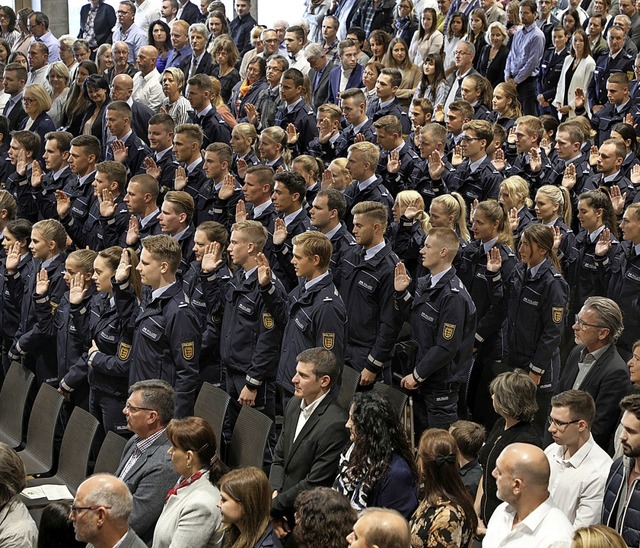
column 16, row 116
column 320, row 92
column 140, row 116
column 607, row 381
column 103, row 23
column 191, row 13
column 312, row 459
column 149, row 481
column 355, row 81
column 205, row 66
column 42, row 125
column 493, row 72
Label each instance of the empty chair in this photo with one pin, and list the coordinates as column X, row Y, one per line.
column 211, row 405
column 350, row 380
column 249, row 438
column 74, row 451
column 13, row 399
column 395, row 397
column 37, row 454
column 110, row 454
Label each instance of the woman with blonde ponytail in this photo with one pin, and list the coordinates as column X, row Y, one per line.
column 409, row 229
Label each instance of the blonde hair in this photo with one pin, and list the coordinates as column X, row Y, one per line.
column 84, row 259
column 597, row 536
column 40, row 95
column 454, row 204
column 278, row 136
column 370, row 152
column 405, row 197
column 560, row 196
column 52, row 230
column 518, row 189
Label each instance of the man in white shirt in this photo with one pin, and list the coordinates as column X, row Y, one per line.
column 294, row 40
column 527, row 517
column 579, row 467
column 147, row 88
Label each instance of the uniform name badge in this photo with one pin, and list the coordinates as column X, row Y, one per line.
column 188, row 350
column 447, row 331
column 328, row 340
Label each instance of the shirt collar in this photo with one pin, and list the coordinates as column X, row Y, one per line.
column 488, row 245
column 437, row 277
column 309, row 284
column 307, row 410
column 257, row 210
column 157, row 293
column 288, row 219
column 373, row 251
column 367, row 182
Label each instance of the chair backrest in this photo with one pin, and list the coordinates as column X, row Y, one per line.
column 110, row 453
column 249, row 438
column 350, row 380
column 42, row 424
column 396, row 398
column 211, row 405
column 76, row 448
column 13, row 398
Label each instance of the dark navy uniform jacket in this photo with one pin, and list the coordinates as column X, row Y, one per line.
column 374, row 112
column 137, row 151
column 168, row 165
column 422, row 182
column 443, row 323
column 550, row 70
column 311, row 318
column 395, row 182
column 45, row 194
column 374, row 321
column 107, row 369
column 250, row 338
column 210, row 207
column 375, row 192
column 482, row 184
column 472, row 271
column 521, row 167
column 535, row 311
column 604, row 120
column 214, row 127
column 166, row 343
column 605, row 66
column 342, row 242
column 12, row 296
column 407, row 239
column 623, row 273
column 282, row 267
column 304, row 119
column 621, row 181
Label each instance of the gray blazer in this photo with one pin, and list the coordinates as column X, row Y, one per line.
column 131, row 540
column 149, row 481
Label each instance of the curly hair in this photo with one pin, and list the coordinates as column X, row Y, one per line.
column 378, row 435
column 325, row 518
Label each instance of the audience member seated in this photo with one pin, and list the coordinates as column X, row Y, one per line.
column 55, row 529
column 470, row 438
column 378, row 527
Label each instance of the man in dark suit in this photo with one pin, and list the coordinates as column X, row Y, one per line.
column 595, row 365
column 188, row 12
column 313, row 434
column 321, row 66
column 145, row 466
column 103, row 525
column 14, row 79
column 349, row 74
column 240, row 27
column 122, row 90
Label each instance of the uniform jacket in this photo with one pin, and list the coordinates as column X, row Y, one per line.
column 342, row 242
column 45, row 194
column 374, row 112
column 550, row 70
column 313, row 318
column 605, row 66
column 282, row 268
column 480, row 185
column 137, row 152
column 443, row 322
column 604, row 120
column 375, row 192
column 303, row 118
column 395, row 182
column 311, row 460
column 149, row 481
column 215, row 128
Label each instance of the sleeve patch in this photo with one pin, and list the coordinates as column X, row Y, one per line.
column 556, row 314
column 448, row 331
column 328, row 340
column 188, row 350
column 267, row 320
column 124, row 350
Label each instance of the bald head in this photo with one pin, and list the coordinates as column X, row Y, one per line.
column 380, row 528
column 522, row 476
column 147, row 57
column 529, row 463
column 121, row 87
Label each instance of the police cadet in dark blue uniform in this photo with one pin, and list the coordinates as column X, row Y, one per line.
column 167, row 334
column 433, row 138
column 354, row 109
column 615, row 60
column 141, row 199
column 288, row 195
column 326, row 214
column 362, row 161
column 443, row 324
column 107, row 338
column 611, row 154
column 615, row 110
column 313, row 314
column 176, row 220
column 330, row 142
column 204, row 114
column 534, row 300
column 397, row 157
column 83, row 156
column 476, row 178
column 386, row 103
column 531, row 161
column 367, row 291
column 128, row 148
column 551, row 68
column 162, row 164
column 296, row 111
column 25, row 147
column 250, row 338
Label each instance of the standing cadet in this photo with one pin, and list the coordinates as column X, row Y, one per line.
column 167, row 334
column 443, row 322
column 204, row 114
column 313, row 314
column 367, row 291
column 250, row 339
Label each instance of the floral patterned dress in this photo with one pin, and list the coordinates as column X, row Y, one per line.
column 442, row 525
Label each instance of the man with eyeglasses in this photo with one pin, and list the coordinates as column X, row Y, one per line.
column 596, row 367
column 579, row 466
column 121, row 65
column 100, row 513
column 127, row 31
column 463, row 54
column 38, row 25
column 145, row 466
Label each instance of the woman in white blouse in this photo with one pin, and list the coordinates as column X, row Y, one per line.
column 427, row 39
column 576, row 74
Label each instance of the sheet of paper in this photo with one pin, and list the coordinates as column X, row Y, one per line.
column 50, row 492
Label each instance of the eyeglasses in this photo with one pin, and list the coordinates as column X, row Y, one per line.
column 134, row 409
column 123, row 12
column 28, row 101
column 560, row 425
column 270, row 40
column 73, row 510
column 461, row 53
column 583, row 325
column 468, row 139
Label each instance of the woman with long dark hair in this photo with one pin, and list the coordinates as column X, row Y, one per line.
column 8, row 22
column 160, row 37
column 25, row 39
column 96, row 90
column 427, row 39
column 433, row 85
column 191, row 516
column 77, row 104
column 445, row 516
column 377, row 469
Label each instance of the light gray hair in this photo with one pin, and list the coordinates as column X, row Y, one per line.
column 199, row 28
column 609, row 315
column 115, row 494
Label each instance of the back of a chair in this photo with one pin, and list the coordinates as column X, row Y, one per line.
column 211, row 405
column 110, row 454
column 350, row 380
column 76, row 448
column 395, row 397
column 249, row 438
column 42, row 425
column 13, row 399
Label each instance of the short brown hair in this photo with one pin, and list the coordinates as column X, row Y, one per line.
column 469, row 436
column 315, row 243
column 164, row 248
